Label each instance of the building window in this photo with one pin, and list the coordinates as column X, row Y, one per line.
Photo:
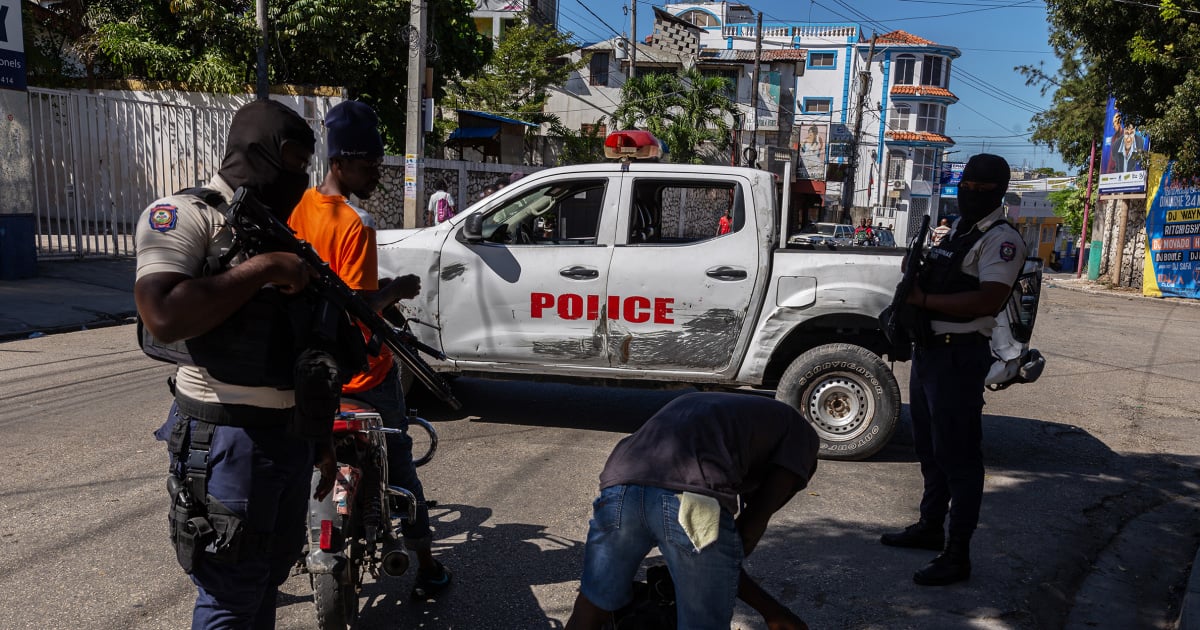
column 817, row 106
column 923, row 162
column 703, row 19
column 906, row 66
column 895, row 166
column 901, row 117
column 822, row 60
column 731, row 80
column 931, row 117
column 932, row 71
column 598, row 67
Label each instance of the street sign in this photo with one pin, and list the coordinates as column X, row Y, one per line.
column 12, row 46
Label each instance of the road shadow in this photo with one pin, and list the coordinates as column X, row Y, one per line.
column 495, row 567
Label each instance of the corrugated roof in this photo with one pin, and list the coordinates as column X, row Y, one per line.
column 918, row 136
column 922, row 90
column 494, row 117
column 747, row 56
column 902, row 37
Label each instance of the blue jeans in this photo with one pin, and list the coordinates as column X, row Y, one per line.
column 263, row 476
column 388, row 399
column 627, row 522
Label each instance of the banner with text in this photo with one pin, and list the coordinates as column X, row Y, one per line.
column 1172, row 266
column 12, row 46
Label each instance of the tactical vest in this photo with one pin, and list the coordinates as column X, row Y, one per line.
column 257, row 346
column 942, row 272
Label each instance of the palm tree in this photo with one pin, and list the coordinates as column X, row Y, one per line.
column 686, row 110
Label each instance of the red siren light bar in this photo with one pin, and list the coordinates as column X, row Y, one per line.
column 634, row 144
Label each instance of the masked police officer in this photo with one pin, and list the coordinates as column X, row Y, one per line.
column 964, row 282
column 240, row 476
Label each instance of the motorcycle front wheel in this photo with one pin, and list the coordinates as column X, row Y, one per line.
column 336, row 598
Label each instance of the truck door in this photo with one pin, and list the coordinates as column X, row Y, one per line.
column 683, row 274
column 531, row 292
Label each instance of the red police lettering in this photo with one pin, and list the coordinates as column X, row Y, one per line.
column 635, row 309
column 539, row 301
column 570, row 306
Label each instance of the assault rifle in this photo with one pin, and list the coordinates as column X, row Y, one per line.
column 900, row 321
column 257, row 229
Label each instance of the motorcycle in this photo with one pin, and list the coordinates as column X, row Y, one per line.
column 351, row 534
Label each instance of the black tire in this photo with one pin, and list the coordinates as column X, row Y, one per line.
column 848, row 395
column 336, row 599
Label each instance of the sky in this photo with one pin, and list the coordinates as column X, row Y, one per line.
column 995, row 107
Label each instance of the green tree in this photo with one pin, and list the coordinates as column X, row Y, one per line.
column 516, row 82
column 1075, row 118
column 1145, row 55
column 1069, row 204
column 361, row 45
column 688, row 111
column 578, row 147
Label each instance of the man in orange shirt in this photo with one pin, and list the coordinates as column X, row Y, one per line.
column 344, row 236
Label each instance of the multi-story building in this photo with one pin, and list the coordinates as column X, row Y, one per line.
column 493, row 16
column 813, row 76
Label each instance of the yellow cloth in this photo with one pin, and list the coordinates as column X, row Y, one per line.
column 700, row 517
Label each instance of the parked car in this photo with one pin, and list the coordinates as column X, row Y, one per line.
column 825, row 234
column 885, row 237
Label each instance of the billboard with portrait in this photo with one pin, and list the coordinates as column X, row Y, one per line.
column 1121, row 170
column 951, row 176
column 812, row 148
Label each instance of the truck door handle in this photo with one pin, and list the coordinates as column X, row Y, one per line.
column 725, row 272
column 579, row 272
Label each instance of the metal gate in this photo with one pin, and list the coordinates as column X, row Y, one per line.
column 99, row 160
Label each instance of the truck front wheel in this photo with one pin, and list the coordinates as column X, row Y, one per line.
column 848, row 394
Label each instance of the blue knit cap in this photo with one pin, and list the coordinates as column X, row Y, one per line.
column 353, row 131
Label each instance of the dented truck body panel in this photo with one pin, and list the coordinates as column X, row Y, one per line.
column 606, row 306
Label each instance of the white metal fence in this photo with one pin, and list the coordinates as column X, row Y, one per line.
column 99, row 160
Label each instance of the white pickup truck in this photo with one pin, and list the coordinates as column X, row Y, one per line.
column 619, row 274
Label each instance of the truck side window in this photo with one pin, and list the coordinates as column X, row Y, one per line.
column 559, row 213
column 677, row 212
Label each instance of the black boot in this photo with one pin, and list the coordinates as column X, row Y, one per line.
column 921, row 535
column 952, row 565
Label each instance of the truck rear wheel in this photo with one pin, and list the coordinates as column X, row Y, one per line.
column 848, row 395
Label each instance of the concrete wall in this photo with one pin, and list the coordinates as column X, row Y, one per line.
column 16, row 147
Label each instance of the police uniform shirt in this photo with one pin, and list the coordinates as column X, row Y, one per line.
column 997, row 257
column 176, row 234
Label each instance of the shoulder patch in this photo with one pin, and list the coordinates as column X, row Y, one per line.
column 163, row 217
column 1008, row 251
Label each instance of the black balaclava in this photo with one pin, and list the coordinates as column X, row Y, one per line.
column 973, row 204
column 254, row 154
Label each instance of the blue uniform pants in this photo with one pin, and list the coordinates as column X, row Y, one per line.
column 263, row 476
column 388, row 399
column 946, row 401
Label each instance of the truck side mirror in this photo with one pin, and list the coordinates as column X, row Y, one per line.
column 473, row 228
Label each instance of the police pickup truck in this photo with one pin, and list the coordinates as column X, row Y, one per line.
column 625, row 273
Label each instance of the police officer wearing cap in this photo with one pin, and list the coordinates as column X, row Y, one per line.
column 963, row 283
column 240, row 475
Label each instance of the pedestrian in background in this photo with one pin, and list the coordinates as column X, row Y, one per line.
column 964, row 282
column 677, row 483
column 938, row 233
column 441, row 204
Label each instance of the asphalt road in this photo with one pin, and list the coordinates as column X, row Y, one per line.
column 1089, row 517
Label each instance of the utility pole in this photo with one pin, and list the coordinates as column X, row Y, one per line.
column 633, row 40
column 261, row 87
column 1087, row 206
column 752, row 153
column 864, row 86
column 414, row 131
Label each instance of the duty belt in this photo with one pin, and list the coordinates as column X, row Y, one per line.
column 956, row 339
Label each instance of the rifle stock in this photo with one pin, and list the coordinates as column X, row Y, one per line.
column 254, row 224
column 900, row 321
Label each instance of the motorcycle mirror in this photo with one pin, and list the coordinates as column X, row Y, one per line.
column 473, row 228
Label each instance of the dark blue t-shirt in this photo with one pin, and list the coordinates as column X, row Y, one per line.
column 716, row 444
